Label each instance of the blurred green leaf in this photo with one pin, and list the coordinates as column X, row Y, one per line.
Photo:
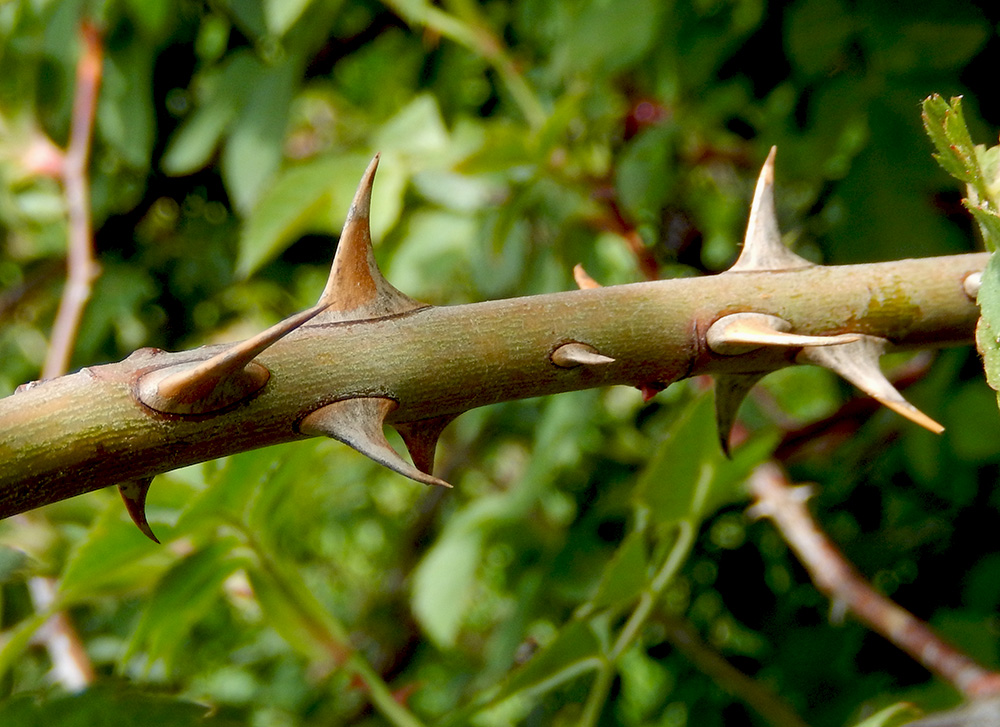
column 180, row 599
column 442, row 584
column 107, row 705
column 892, row 716
column 988, row 328
column 280, row 15
column 626, row 573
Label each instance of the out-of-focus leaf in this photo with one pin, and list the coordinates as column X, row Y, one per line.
column 125, row 111
column 253, row 152
column 893, row 715
column 988, row 328
column 605, row 36
column 12, row 562
column 575, row 651
column 280, row 15
column 442, row 583
column 181, row 598
column 106, row 705
column 114, row 557
column 225, row 93
column 626, row 573
column 417, row 131
column 300, row 200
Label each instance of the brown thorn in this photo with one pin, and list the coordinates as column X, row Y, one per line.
column 356, row 289
column 743, row 332
column 762, row 246
column 421, row 438
column 858, row 362
column 573, row 354
column 730, row 391
column 583, row 280
column 220, row 381
column 133, row 494
column 358, row 423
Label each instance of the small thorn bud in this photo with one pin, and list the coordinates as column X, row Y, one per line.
column 571, row 355
column 650, row 390
column 740, row 333
column 133, row 494
column 583, row 280
column 972, row 283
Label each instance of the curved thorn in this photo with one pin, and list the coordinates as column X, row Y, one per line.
column 570, row 355
column 583, row 280
column 356, row 289
column 133, row 494
column 762, row 246
column 358, row 423
column 858, row 363
column 742, row 332
column 730, row 391
column 220, row 381
column 421, row 438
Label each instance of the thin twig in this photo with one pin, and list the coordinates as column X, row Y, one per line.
column 81, row 267
column 836, row 577
column 71, row 666
column 751, row 692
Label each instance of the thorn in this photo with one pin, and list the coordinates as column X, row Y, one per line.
column 571, row 355
column 743, row 332
column 421, row 438
column 358, row 423
column 762, row 246
column 583, row 280
column 356, row 289
column 133, row 494
column 730, row 391
column 218, row 382
column 858, row 363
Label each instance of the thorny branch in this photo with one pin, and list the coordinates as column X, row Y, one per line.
column 785, row 505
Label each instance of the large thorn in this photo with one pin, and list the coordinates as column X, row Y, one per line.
column 762, row 246
column 421, row 438
column 356, row 289
column 358, row 423
column 218, row 382
column 858, row 363
column 730, row 391
column 133, row 494
column 742, row 332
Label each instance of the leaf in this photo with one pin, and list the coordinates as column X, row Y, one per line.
column 945, row 124
column 988, row 328
column 292, row 610
column 106, row 705
column 625, row 575
column 679, row 473
column 575, row 650
column 253, row 152
column 895, row 714
column 114, row 557
column 181, row 598
column 442, row 583
column 280, row 15
column 226, row 92
column 304, row 198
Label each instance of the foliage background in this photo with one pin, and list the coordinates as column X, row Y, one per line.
column 518, row 138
